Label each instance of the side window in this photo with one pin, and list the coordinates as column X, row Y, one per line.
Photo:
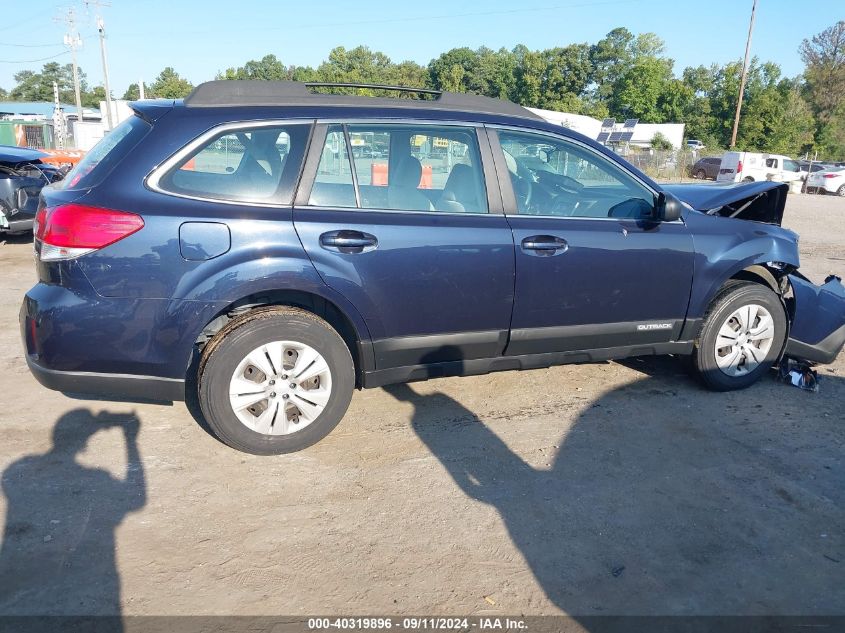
column 333, row 185
column 558, row 178
column 246, row 164
column 772, row 162
column 405, row 168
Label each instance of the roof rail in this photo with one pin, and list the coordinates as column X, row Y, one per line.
column 325, row 84
column 252, row 92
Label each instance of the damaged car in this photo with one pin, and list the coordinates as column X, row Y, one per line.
column 22, row 176
column 232, row 247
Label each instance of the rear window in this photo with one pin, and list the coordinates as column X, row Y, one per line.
column 102, row 158
column 246, row 164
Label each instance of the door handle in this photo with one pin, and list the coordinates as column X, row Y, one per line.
column 545, row 244
column 348, row 241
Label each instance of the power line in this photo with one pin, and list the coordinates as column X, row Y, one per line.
column 30, row 61
column 30, row 45
column 37, row 16
column 417, row 18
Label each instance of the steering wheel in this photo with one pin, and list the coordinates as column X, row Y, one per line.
column 569, row 185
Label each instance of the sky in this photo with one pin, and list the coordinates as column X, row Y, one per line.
column 200, row 38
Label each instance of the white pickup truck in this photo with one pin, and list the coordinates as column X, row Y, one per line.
column 750, row 166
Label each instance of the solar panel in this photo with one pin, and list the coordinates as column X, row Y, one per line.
column 626, row 137
column 629, row 123
column 602, row 137
column 615, row 137
column 608, row 123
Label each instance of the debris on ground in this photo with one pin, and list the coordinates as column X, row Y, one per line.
column 799, row 374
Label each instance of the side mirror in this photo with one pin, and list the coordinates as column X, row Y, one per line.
column 668, row 207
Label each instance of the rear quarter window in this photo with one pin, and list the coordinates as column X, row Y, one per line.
column 103, row 157
column 258, row 163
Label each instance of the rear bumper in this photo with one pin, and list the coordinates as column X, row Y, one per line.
column 115, row 386
column 818, row 324
column 78, row 342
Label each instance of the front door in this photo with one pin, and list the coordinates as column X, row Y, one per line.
column 594, row 269
column 399, row 222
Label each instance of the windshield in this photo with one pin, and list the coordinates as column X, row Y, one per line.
column 101, row 158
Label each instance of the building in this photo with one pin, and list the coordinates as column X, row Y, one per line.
column 643, row 133
column 39, row 124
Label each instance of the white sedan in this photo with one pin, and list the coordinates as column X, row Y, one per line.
column 829, row 181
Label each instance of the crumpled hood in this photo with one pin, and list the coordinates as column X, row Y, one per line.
column 755, row 201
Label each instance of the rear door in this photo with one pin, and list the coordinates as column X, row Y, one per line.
column 405, row 221
column 594, row 270
column 730, row 167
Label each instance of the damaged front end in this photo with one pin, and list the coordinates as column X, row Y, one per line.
column 817, row 332
column 816, row 312
column 22, row 177
column 754, row 201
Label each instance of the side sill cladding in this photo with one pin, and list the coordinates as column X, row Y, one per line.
column 480, row 366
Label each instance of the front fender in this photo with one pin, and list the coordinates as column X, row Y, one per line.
column 714, row 266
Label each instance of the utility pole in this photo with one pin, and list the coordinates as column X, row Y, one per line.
column 58, row 118
column 73, row 41
column 744, row 74
column 141, row 89
column 102, row 30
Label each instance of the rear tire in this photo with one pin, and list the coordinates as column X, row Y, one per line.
column 742, row 336
column 748, row 179
column 275, row 381
column 701, row 175
column 841, row 191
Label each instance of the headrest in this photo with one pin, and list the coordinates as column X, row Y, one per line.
column 407, row 172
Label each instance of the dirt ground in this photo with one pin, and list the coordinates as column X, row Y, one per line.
column 618, row 488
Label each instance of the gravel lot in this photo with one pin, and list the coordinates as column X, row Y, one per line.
column 618, row 488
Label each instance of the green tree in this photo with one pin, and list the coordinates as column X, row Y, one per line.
column 611, row 55
column 793, row 125
column 170, row 85
column 660, row 142
column 93, row 98
column 267, row 68
column 643, row 90
column 38, row 86
column 824, row 57
column 133, row 93
column 556, row 78
column 362, row 65
column 3, row 94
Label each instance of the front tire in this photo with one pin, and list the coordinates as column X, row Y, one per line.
column 742, row 336
column 275, row 381
column 700, row 174
column 841, row 191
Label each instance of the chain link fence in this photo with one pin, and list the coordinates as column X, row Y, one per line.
column 666, row 165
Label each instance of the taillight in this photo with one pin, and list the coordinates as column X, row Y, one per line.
column 739, row 167
column 831, row 175
column 73, row 230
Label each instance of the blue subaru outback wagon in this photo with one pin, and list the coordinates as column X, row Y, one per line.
column 275, row 246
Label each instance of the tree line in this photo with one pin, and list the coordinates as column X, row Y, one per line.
column 624, row 75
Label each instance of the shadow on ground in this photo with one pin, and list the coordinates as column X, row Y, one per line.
column 654, row 507
column 58, row 549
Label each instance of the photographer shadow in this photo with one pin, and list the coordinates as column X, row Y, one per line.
column 658, row 501
column 57, row 556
